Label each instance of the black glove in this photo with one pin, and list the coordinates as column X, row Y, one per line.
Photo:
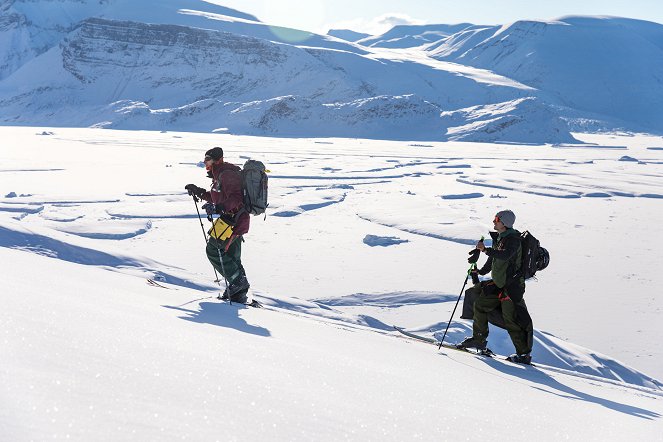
column 194, row 190
column 475, row 276
column 210, row 208
column 474, row 256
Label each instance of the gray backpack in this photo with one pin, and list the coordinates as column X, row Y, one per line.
column 254, row 186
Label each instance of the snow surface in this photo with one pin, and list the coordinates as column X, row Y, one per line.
column 361, row 235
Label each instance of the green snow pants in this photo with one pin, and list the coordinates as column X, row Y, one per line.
column 230, row 263
column 488, row 301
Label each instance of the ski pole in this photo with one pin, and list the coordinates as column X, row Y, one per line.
column 195, row 201
column 223, row 270
column 472, row 266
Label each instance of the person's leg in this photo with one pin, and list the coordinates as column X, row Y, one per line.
column 483, row 305
column 516, row 332
column 229, row 263
column 525, row 322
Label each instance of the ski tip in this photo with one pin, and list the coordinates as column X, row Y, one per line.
column 154, row 283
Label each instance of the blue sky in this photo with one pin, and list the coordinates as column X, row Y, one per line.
column 375, row 16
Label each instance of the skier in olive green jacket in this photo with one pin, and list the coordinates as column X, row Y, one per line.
column 504, row 292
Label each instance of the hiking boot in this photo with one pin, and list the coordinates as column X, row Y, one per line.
column 224, row 296
column 241, row 284
column 523, row 358
column 471, row 342
column 240, row 298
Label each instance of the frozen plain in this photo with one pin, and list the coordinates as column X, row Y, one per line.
column 360, row 235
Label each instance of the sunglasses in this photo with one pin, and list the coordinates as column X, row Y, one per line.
column 497, row 219
column 208, row 159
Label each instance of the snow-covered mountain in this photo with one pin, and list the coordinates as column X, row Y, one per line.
column 408, row 36
column 600, row 65
column 110, row 73
column 347, row 34
column 194, row 65
column 29, row 28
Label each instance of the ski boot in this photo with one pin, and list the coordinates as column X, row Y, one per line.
column 238, row 289
column 524, row 358
column 471, row 342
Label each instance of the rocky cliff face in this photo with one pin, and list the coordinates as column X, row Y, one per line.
column 169, row 65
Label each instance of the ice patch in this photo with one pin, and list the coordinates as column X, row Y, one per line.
column 462, row 196
column 382, row 241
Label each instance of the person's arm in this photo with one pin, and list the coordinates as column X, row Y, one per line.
column 487, row 267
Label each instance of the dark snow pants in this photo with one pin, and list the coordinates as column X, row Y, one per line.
column 515, row 318
column 230, row 262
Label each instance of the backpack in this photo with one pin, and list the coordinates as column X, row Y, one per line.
column 534, row 257
column 254, row 187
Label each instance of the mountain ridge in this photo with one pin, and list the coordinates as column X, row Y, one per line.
column 101, row 70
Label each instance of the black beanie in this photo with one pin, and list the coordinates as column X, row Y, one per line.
column 214, row 153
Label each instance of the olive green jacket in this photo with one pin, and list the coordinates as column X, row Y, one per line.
column 504, row 258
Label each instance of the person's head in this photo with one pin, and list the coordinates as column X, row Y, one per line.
column 213, row 156
column 503, row 220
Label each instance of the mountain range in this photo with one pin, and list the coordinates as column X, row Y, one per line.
column 194, row 66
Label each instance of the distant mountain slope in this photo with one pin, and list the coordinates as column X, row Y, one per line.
column 29, row 28
column 193, row 65
column 407, row 36
column 604, row 65
column 109, row 73
column 347, row 34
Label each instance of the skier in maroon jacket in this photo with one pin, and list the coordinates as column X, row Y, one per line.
column 225, row 198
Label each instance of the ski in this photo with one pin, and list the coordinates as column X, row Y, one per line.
column 253, row 303
column 153, row 283
column 487, row 352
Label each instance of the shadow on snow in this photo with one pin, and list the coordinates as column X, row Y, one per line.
column 222, row 315
column 564, row 391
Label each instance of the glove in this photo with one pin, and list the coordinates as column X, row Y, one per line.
column 210, row 209
column 475, row 276
column 474, row 256
column 194, row 190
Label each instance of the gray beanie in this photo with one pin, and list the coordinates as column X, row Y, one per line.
column 507, row 217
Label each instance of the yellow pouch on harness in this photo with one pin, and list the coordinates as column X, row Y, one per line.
column 220, row 230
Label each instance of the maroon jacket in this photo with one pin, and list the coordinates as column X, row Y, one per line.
column 226, row 192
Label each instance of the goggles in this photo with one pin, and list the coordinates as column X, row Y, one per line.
column 497, row 219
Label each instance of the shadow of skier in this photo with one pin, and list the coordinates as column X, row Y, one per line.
column 222, row 315
column 539, row 376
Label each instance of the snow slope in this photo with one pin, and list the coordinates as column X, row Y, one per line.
column 104, row 356
column 407, row 36
column 347, row 34
column 376, row 234
column 601, row 65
